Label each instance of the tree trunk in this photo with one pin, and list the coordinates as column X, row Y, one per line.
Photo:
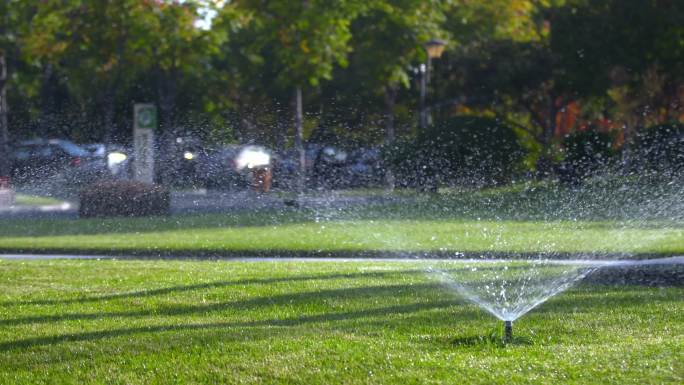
column 168, row 92
column 630, row 129
column 108, row 116
column 109, row 109
column 167, row 158
column 47, row 102
column 627, row 148
column 282, row 125
column 4, row 130
column 545, row 163
column 299, row 139
column 247, row 133
column 246, row 129
column 390, row 134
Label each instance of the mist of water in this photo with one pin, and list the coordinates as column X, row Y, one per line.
column 509, row 288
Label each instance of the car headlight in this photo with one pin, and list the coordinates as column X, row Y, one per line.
column 251, row 158
column 115, row 158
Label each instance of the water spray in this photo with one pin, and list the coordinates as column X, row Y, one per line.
column 508, row 331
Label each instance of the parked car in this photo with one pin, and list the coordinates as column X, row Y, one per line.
column 39, row 159
column 216, row 168
column 118, row 159
column 365, row 167
column 285, row 169
column 97, row 150
column 231, row 166
column 330, row 168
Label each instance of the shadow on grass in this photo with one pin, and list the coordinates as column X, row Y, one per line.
column 242, row 305
column 584, row 300
column 288, row 322
column 253, row 281
column 212, row 285
column 653, row 276
column 384, row 316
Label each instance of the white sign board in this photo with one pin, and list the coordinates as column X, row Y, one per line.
column 144, row 123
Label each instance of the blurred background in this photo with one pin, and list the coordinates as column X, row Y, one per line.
column 343, row 94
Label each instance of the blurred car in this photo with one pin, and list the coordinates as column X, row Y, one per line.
column 40, row 158
column 117, row 158
column 365, row 168
column 216, row 168
column 256, row 163
column 330, row 168
column 119, row 161
column 285, row 169
column 231, row 166
column 97, row 150
column 252, row 156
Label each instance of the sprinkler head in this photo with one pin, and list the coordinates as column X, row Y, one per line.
column 508, row 331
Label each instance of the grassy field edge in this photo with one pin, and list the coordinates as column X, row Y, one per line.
column 334, row 254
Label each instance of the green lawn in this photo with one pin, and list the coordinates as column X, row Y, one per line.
column 150, row 322
column 356, row 236
column 525, row 218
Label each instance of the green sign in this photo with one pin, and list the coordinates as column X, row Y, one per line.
column 145, row 116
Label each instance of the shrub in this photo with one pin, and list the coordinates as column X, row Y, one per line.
column 400, row 159
column 465, row 150
column 586, row 153
column 661, row 148
column 111, row 198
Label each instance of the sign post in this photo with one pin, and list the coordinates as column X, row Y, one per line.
column 144, row 123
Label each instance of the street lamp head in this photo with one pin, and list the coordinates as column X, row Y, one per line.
column 435, row 48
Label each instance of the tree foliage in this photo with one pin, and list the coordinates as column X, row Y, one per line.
column 75, row 67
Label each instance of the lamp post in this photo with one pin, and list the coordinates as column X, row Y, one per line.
column 434, row 49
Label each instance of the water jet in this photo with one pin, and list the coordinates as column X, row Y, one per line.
column 510, row 288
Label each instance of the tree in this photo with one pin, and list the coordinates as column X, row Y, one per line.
column 503, row 66
column 305, row 40
column 177, row 50
column 11, row 13
column 387, row 41
column 248, row 90
column 99, row 47
column 4, row 129
column 637, row 63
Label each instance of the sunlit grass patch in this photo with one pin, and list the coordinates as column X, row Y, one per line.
column 204, row 236
column 534, row 217
column 318, row 322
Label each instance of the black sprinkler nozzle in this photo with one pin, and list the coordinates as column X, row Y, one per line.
column 508, row 331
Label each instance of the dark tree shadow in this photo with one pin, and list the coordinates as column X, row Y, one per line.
column 379, row 291
column 213, row 285
column 288, row 322
column 241, row 282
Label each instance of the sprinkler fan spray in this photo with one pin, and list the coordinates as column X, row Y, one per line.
column 509, row 288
